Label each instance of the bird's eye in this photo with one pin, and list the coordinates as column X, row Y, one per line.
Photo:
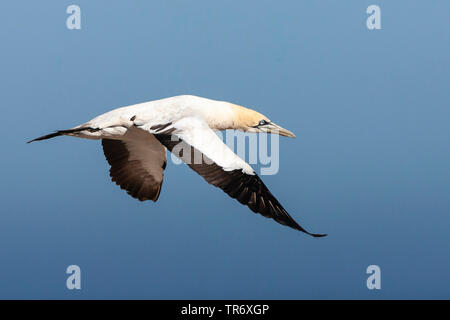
column 262, row 122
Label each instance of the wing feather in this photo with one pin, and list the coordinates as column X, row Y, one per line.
column 137, row 163
column 221, row 167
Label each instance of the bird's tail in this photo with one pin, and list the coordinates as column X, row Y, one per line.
column 63, row 133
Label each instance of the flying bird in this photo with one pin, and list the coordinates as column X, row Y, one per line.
column 135, row 139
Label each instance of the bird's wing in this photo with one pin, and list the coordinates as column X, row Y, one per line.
column 137, row 163
column 197, row 145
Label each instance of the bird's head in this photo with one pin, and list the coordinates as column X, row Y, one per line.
column 251, row 121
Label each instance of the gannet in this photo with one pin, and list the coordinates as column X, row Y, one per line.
column 135, row 139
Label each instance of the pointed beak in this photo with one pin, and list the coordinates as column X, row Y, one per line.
column 276, row 129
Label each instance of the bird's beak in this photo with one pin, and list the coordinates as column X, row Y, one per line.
column 276, row 129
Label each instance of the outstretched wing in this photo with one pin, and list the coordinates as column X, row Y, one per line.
column 137, row 163
column 201, row 149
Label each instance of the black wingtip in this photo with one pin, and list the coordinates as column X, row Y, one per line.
column 315, row 235
column 296, row 226
column 318, row 235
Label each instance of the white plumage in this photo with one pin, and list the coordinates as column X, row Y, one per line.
column 135, row 139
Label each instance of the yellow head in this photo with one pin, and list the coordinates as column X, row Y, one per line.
column 251, row 121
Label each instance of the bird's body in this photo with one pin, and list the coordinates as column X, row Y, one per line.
column 135, row 139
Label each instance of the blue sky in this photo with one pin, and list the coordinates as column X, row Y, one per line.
column 369, row 166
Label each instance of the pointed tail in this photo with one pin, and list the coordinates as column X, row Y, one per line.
column 63, row 132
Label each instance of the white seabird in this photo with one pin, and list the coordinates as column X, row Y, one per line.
column 135, row 138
